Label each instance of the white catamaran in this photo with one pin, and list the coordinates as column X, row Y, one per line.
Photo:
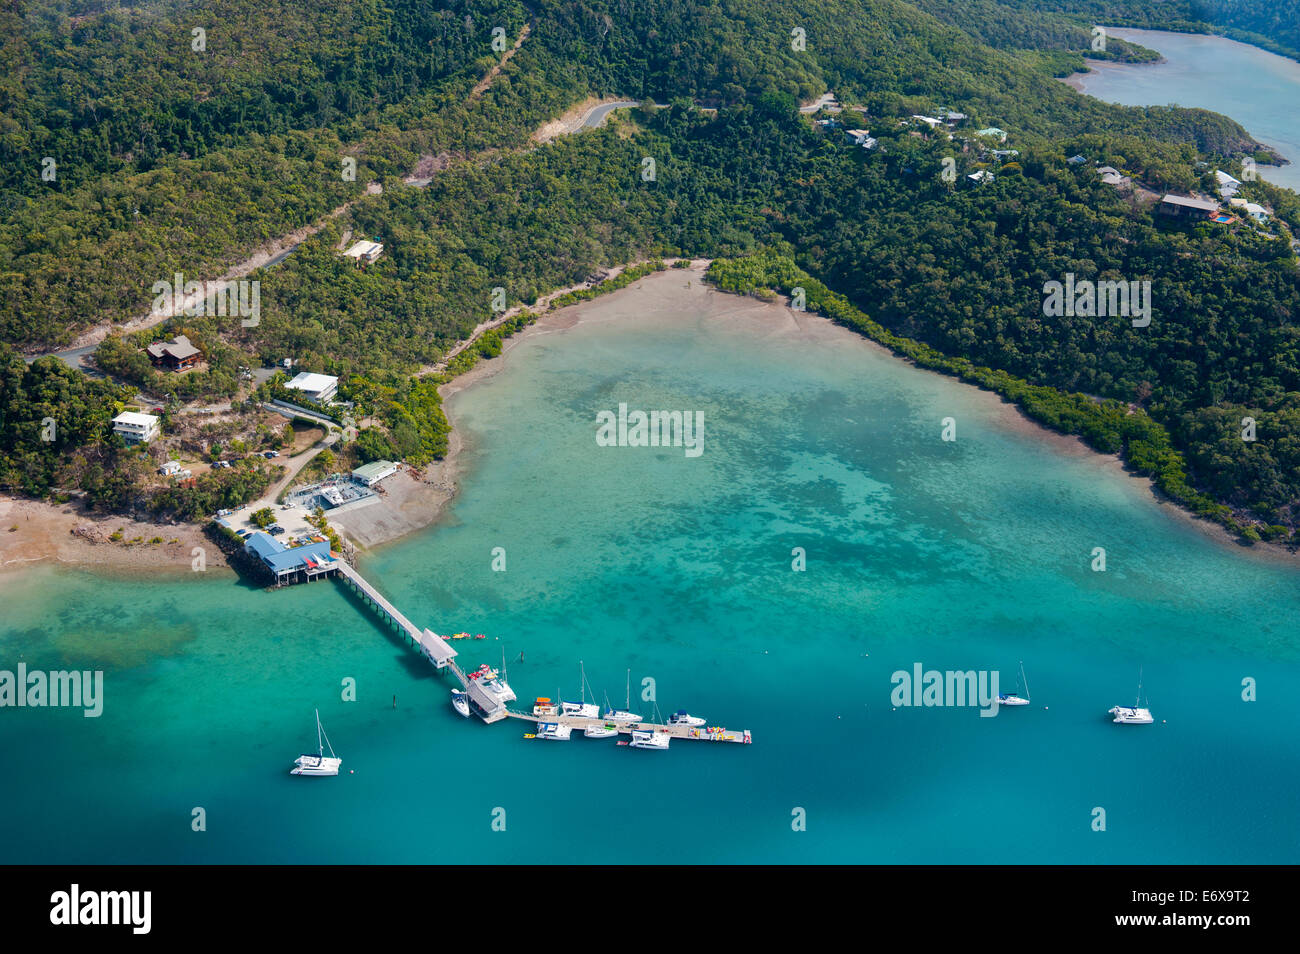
column 585, row 709
column 318, row 764
column 625, row 714
column 1014, row 698
column 1132, row 715
column 649, row 739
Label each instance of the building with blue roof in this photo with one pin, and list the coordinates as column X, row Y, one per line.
column 288, row 564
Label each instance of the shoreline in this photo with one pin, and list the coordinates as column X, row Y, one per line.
column 1094, row 67
column 36, row 533
column 65, row 535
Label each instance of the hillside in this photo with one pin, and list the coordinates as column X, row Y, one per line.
column 249, row 142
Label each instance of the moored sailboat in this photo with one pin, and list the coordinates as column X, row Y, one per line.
column 318, row 764
column 649, row 739
column 584, row 709
column 625, row 714
column 1014, row 698
column 1134, row 714
column 460, row 701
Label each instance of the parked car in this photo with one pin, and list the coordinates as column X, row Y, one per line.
column 269, row 454
column 276, row 530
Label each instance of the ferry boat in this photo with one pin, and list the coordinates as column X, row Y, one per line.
column 682, row 717
column 460, row 701
column 553, row 731
column 545, row 707
column 606, row 731
column 1014, row 698
column 649, row 739
column 318, row 764
column 1133, row 715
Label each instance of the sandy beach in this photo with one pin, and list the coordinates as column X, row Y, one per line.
column 34, row 532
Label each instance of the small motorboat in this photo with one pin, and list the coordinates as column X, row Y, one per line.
column 545, row 707
column 460, row 701
column 682, row 717
column 606, row 731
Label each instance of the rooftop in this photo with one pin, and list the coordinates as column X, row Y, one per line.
column 306, row 381
column 134, row 419
column 279, row 557
column 363, row 248
column 1187, row 202
column 374, row 469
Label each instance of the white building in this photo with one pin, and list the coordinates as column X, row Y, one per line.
column 136, row 428
column 1228, row 186
column 1257, row 211
column 318, row 387
column 365, row 251
column 372, row 473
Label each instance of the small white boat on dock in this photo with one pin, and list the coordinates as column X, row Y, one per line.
column 682, row 717
column 649, row 739
column 318, row 764
column 460, row 701
column 1134, row 714
column 606, row 731
column 553, row 731
column 545, row 707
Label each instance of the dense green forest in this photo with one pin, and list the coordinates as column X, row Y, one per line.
column 131, row 205
column 173, row 161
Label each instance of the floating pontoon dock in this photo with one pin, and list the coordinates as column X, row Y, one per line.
column 490, row 694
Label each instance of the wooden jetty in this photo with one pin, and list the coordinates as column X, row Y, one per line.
column 697, row 733
column 489, row 693
column 437, row 649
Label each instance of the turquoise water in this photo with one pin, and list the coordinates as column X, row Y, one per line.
column 1258, row 89
column 965, row 555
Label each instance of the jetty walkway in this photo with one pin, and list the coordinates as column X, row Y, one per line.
column 489, row 693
